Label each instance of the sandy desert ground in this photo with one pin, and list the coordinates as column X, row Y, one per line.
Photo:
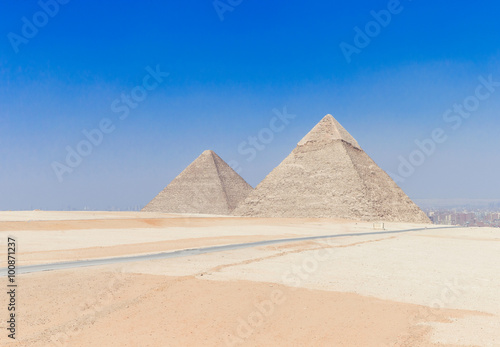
column 430, row 287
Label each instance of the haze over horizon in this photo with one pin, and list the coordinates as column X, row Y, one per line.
column 228, row 79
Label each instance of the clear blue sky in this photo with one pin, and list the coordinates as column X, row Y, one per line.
column 225, row 78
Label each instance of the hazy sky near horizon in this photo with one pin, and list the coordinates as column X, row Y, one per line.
column 225, row 79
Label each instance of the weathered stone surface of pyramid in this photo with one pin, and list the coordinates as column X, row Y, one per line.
column 207, row 186
column 328, row 175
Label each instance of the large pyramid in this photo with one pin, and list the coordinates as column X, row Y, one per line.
column 329, row 175
column 208, row 185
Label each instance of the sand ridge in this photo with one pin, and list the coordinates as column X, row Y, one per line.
column 117, row 309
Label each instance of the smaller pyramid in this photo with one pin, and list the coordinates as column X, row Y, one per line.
column 207, row 186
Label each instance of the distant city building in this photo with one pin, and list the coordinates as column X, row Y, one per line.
column 464, row 217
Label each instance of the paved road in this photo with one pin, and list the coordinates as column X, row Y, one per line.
column 184, row 253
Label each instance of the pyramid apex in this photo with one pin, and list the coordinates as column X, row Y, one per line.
column 328, row 129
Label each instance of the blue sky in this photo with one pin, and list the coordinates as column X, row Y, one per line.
column 225, row 79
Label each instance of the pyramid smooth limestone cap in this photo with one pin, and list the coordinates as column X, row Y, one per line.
column 328, row 129
column 208, row 154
